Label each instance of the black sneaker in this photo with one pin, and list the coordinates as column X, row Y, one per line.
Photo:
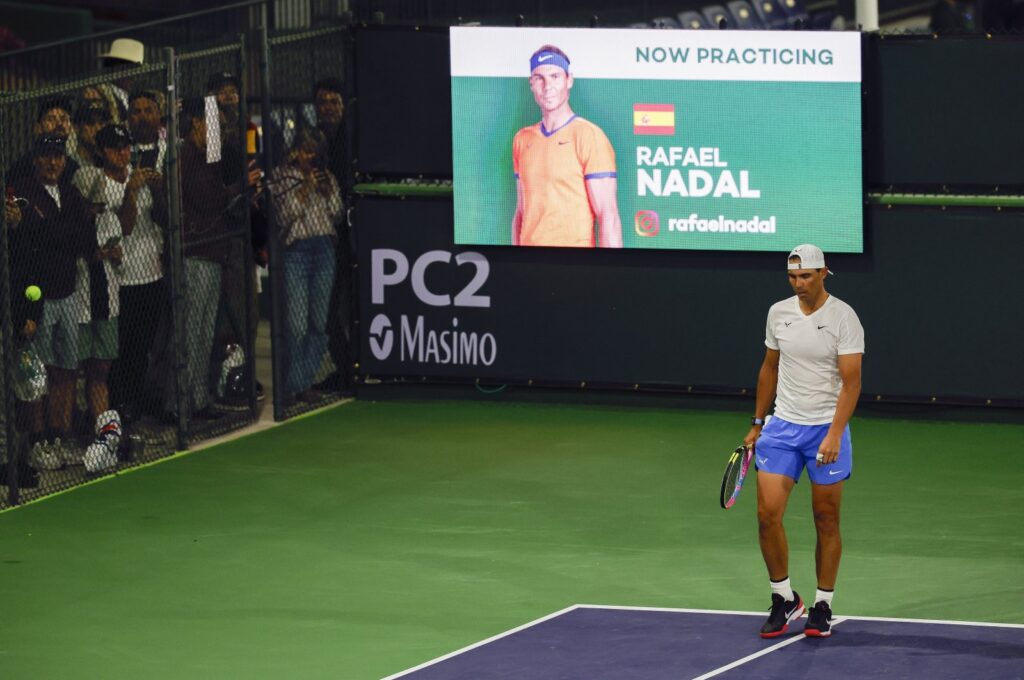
column 782, row 612
column 819, row 621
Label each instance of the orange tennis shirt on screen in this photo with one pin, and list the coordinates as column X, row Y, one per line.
column 554, row 168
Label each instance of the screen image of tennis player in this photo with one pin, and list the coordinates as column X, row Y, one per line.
column 746, row 141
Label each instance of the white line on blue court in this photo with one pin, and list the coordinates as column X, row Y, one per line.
column 482, row 642
column 710, row 674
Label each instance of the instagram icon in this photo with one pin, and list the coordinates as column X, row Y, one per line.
column 647, row 223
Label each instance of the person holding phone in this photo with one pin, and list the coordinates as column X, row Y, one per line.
column 124, row 278
column 309, row 207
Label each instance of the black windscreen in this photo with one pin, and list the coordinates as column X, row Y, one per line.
column 944, row 111
column 403, row 104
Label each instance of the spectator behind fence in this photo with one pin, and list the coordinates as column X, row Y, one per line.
column 308, row 203
column 60, row 226
column 117, row 189
column 224, row 89
column 330, row 110
column 54, row 120
column 29, row 381
column 124, row 55
column 145, row 122
column 133, row 196
column 89, row 119
column 204, row 199
column 238, row 313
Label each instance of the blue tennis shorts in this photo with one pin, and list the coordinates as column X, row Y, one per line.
column 786, row 448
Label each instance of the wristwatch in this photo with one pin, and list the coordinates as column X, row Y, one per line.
column 756, row 421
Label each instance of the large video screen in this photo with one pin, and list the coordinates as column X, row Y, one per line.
column 704, row 140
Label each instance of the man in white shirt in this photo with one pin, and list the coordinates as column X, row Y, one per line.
column 812, row 371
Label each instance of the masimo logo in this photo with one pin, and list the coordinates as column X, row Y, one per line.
column 382, row 338
column 432, row 338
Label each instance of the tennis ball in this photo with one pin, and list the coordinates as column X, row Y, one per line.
column 33, row 293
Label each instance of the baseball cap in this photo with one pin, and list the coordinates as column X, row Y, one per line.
column 810, row 256
column 50, row 145
column 219, row 80
column 113, row 137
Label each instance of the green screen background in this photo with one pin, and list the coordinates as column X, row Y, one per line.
column 800, row 142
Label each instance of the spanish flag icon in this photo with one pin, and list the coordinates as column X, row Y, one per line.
column 654, row 119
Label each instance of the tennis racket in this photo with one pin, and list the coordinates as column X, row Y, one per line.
column 735, row 472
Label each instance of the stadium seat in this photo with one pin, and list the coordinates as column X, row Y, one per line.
column 772, row 16
column 715, row 14
column 664, row 22
column 795, row 11
column 743, row 15
column 692, row 20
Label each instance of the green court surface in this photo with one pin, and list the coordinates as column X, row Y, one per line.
column 377, row 535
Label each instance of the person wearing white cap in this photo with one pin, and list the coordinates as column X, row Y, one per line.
column 124, row 54
column 812, row 372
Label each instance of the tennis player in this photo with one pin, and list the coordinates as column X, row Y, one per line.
column 564, row 167
column 812, row 370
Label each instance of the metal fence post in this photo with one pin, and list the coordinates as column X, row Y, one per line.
column 277, row 282
column 248, row 267
column 176, row 265
column 7, row 360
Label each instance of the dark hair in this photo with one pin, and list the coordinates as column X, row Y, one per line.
column 151, row 95
column 329, row 84
column 307, row 136
column 191, row 109
column 48, row 105
column 551, row 48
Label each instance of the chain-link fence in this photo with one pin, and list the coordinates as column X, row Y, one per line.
column 85, row 284
column 145, row 209
column 309, row 236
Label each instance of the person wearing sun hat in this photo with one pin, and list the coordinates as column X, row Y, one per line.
column 812, row 371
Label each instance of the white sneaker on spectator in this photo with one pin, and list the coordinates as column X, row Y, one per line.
column 102, row 453
column 45, row 455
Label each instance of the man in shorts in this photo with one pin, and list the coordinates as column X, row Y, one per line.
column 59, row 226
column 812, row 370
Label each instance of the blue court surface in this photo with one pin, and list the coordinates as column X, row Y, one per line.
column 604, row 643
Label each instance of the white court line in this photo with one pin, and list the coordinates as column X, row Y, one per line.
column 797, row 637
column 674, row 610
column 842, row 618
column 481, row 643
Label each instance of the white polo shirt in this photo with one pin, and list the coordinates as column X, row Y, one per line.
column 809, row 347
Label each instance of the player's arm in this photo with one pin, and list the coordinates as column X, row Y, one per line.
column 849, row 371
column 517, row 217
column 767, row 382
column 603, row 195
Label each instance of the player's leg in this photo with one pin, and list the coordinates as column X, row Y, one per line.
column 779, row 465
column 827, row 483
column 772, row 496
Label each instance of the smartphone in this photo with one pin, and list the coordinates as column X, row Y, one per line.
column 146, row 158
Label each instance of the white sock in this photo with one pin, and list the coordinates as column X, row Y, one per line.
column 823, row 596
column 783, row 588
